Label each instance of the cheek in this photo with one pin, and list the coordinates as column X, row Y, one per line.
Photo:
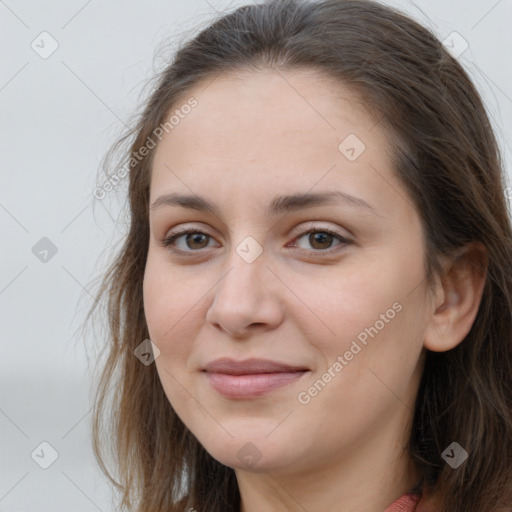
column 341, row 303
column 169, row 311
column 170, row 307
column 366, row 313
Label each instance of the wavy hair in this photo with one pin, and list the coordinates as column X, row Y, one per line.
column 447, row 156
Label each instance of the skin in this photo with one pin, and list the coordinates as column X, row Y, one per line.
column 252, row 136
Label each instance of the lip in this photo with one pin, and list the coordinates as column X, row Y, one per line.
column 250, row 378
column 250, row 366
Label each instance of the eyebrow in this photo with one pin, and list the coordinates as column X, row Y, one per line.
column 279, row 205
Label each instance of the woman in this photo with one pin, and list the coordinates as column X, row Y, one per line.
column 340, row 337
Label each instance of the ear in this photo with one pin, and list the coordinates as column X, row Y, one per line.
column 457, row 297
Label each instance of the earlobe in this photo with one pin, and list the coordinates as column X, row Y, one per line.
column 457, row 299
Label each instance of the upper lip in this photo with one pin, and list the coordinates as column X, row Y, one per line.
column 248, row 366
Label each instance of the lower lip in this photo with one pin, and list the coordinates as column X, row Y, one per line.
column 251, row 385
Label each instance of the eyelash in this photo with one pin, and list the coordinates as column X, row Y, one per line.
column 167, row 241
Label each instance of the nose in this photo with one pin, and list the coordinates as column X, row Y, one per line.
column 247, row 298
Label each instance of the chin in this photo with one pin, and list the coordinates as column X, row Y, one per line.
column 254, row 454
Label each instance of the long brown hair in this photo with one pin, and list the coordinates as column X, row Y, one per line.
column 445, row 153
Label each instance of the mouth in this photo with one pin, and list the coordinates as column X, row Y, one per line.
column 251, row 378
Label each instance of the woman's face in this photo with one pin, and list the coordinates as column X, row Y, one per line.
column 333, row 285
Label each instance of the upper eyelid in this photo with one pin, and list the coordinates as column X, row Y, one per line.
column 315, row 227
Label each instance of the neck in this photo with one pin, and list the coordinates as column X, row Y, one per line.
column 368, row 479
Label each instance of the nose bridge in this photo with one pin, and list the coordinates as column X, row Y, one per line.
column 244, row 295
column 248, row 236
column 246, row 268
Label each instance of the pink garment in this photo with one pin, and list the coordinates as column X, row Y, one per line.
column 408, row 502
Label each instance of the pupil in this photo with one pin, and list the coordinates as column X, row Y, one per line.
column 194, row 237
column 319, row 237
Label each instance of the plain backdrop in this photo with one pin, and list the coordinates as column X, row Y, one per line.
column 71, row 76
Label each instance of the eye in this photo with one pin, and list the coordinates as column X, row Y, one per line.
column 193, row 236
column 321, row 239
column 194, row 239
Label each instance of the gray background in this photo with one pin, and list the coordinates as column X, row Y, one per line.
column 58, row 117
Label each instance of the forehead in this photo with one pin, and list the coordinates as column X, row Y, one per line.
column 296, row 105
column 272, row 129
